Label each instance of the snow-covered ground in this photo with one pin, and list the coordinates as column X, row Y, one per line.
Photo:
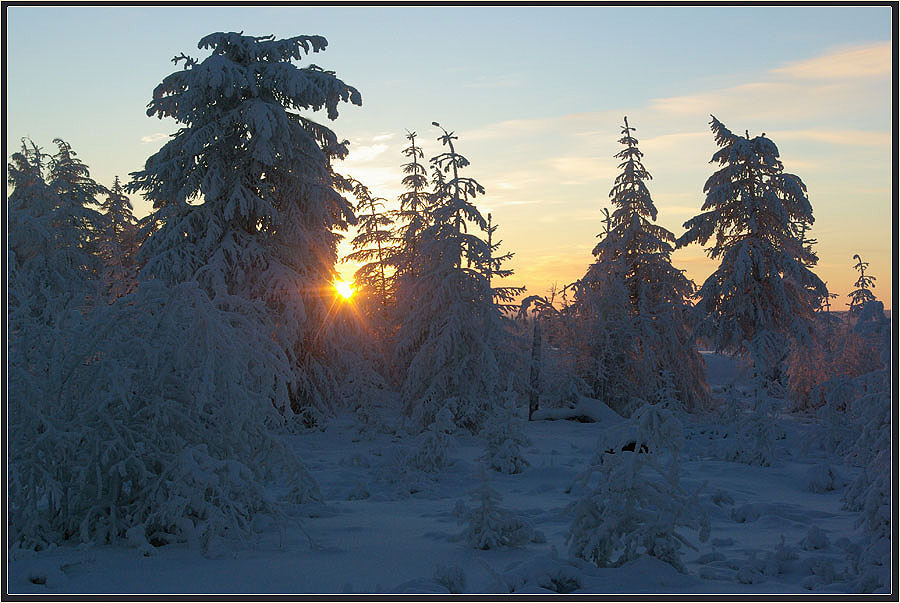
column 386, row 528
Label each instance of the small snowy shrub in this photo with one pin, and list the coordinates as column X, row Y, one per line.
column 451, row 577
column 488, row 526
column 773, row 563
column 823, row 478
column 753, row 433
column 635, row 503
column 504, row 437
column 821, row 572
column 433, row 444
column 815, row 539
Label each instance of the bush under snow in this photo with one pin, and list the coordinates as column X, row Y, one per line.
column 151, row 427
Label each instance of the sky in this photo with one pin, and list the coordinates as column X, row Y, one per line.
column 536, row 94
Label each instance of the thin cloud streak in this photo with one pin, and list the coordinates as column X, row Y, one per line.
column 864, row 61
column 156, row 137
column 840, row 137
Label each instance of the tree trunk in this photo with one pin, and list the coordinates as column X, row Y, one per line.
column 535, row 369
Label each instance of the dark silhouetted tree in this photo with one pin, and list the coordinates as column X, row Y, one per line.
column 245, row 194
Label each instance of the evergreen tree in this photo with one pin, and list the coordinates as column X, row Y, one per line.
column 373, row 247
column 245, row 193
column 763, row 288
column 52, row 280
column 602, row 308
column 119, row 243
column 52, row 234
column 412, row 215
column 502, row 296
column 446, row 345
column 862, row 295
column 640, row 298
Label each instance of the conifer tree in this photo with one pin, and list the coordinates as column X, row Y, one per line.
column 76, row 195
column 503, row 296
column 373, row 246
column 640, row 297
column 245, row 193
column 412, row 215
column 763, row 291
column 862, row 295
column 445, row 345
column 119, row 242
column 53, row 233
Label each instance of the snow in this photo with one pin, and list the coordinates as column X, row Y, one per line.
column 774, row 530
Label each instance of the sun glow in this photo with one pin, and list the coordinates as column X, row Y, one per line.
column 343, row 288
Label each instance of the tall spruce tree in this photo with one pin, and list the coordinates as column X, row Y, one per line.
column 862, row 294
column 245, row 194
column 445, row 346
column 119, row 242
column 48, row 263
column 76, row 196
column 410, row 220
column 412, row 215
column 633, row 288
column 763, row 293
column 373, row 246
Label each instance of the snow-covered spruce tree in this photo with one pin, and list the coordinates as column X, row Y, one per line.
column 823, row 372
column 119, row 243
column 512, row 358
column 634, row 503
column 431, row 448
column 52, row 231
column 409, row 221
column 53, row 273
column 658, row 291
column 446, row 344
column 609, row 365
column 763, row 285
column 638, row 252
column 245, row 194
column 373, row 247
column 150, row 426
column 862, row 294
column 412, row 216
column 602, row 310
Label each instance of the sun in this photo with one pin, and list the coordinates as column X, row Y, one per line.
column 343, row 288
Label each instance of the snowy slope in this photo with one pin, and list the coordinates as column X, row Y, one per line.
column 386, row 528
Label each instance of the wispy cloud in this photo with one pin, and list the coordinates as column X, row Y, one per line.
column 826, row 85
column 672, row 141
column 509, row 128
column 156, row 137
column 365, row 153
column 843, row 137
column 868, row 60
column 584, row 169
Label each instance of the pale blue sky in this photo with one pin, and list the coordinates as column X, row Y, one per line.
column 536, row 95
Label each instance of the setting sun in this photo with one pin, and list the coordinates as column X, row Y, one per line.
column 344, row 289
